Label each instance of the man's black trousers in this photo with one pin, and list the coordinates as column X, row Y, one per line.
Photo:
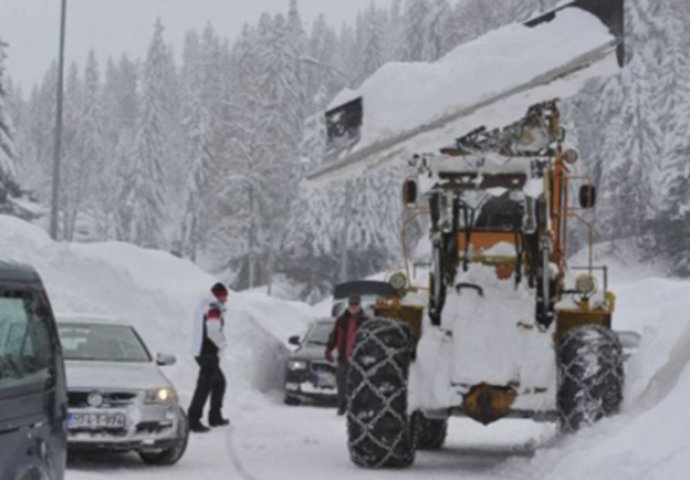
column 211, row 382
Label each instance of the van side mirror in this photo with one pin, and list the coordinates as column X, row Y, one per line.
column 294, row 340
column 588, row 196
column 410, row 192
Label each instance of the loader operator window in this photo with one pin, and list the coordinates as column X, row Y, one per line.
column 498, row 214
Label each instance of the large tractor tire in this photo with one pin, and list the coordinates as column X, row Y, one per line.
column 378, row 426
column 430, row 433
column 590, row 376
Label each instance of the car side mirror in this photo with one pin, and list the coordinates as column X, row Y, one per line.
column 294, row 340
column 588, row 196
column 165, row 360
column 410, row 192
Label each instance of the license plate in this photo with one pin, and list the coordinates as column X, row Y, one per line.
column 324, row 379
column 97, row 421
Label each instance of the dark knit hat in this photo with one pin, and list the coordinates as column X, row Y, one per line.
column 354, row 298
column 219, row 290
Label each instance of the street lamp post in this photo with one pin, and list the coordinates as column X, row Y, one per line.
column 58, row 128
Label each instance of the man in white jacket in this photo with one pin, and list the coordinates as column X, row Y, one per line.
column 209, row 342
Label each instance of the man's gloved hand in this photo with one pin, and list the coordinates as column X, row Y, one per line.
column 329, row 355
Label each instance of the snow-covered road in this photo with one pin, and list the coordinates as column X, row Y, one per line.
column 271, row 441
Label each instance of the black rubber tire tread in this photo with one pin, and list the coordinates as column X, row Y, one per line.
column 378, row 426
column 589, row 390
column 292, row 401
column 173, row 454
column 430, row 433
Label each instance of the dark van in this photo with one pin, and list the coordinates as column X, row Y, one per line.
column 33, row 394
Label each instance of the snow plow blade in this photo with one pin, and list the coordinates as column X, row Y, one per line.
column 610, row 12
column 491, row 81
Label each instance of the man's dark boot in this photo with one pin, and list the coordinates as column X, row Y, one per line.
column 218, row 421
column 197, row 427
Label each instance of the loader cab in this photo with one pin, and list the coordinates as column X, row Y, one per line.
column 485, row 210
column 33, row 396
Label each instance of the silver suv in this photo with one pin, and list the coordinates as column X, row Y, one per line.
column 119, row 399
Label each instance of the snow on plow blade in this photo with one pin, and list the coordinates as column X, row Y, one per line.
column 408, row 108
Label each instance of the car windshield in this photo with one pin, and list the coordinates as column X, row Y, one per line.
column 495, row 213
column 102, row 343
column 318, row 334
column 339, row 306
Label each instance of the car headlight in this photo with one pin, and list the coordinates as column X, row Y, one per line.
column 159, row 396
column 586, row 284
column 297, row 365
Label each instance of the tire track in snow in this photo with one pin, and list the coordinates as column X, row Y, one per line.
column 665, row 379
column 235, row 458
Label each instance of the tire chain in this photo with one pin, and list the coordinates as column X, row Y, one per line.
column 591, row 395
column 399, row 452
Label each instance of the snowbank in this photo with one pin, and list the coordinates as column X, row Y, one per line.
column 157, row 293
column 649, row 440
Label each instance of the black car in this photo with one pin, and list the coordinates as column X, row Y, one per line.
column 33, row 394
column 308, row 375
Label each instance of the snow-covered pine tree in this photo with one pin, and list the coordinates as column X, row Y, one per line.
column 373, row 46
column 313, row 145
column 322, row 48
column 149, row 189
column 310, row 240
column 282, row 117
column 238, row 244
column 437, row 27
column 296, row 96
column 8, row 155
column 455, row 27
column 121, row 104
column 414, row 20
column 672, row 225
column 347, row 54
column 394, row 39
column 195, row 223
column 98, row 172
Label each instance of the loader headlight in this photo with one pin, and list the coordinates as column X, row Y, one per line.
column 571, row 156
column 398, row 281
column 586, row 284
column 294, row 365
column 159, row 396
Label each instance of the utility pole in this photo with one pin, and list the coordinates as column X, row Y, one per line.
column 58, row 128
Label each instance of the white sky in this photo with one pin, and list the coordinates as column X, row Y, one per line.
column 112, row 27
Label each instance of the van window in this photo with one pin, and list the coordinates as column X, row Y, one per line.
column 25, row 348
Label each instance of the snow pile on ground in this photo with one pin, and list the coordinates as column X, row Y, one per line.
column 649, row 440
column 158, row 294
column 403, row 96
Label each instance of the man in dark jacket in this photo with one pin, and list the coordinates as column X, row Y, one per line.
column 209, row 342
column 342, row 338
